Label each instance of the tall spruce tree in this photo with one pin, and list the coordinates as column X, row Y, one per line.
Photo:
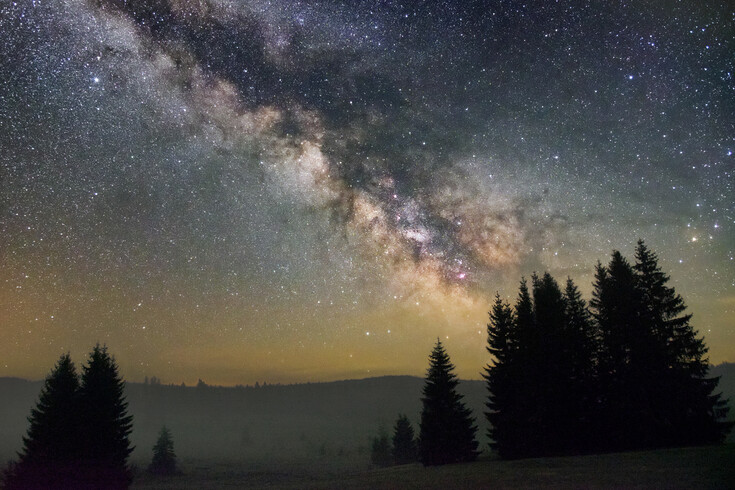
column 525, row 374
column 525, row 322
column 686, row 409
column 404, row 442
column 50, row 455
column 580, row 353
column 551, row 400
column 624, row 371
column 107, row 425
column 447, row 428
column 583, row 334
column 501, row 381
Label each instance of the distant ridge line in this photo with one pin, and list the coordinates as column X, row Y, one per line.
column 16, row 379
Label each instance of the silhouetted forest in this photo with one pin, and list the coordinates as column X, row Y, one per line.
column 629, row 372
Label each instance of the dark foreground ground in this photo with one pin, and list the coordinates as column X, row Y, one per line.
column 686, row 468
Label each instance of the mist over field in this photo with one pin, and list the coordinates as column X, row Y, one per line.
column 292, row 423
column 327, row 424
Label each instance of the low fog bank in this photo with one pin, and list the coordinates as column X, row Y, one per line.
column 276, row 424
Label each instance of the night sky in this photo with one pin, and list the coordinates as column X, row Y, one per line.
column 290, row 191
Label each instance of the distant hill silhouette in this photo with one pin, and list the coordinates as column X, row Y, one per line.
column 726, row 372
column 303, row 421
column 18, row 397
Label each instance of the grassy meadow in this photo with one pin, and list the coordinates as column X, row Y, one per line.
column 685, row 468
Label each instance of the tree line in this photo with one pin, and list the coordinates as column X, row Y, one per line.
column 626, row 371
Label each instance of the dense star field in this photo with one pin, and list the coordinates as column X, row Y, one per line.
column 291, row 191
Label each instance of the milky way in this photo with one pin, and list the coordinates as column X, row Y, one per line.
column 257, row 179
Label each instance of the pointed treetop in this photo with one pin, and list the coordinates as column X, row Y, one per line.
column 617, row 262
column 499, row 330
column 164, row 457
column 439, row 359
column 63, row 373
column 447, row 430
column 524, row 306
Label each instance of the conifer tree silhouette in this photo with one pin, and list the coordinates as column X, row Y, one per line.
column 380, row 453
column 686, row 409
column 447, row 428
column 624, row 383
column 164, row 457
column 50, row 455
column 551, row 368
column 580, row 352
column 525, row 372
column 107, row 425
column 404, row 442
column 500, row 377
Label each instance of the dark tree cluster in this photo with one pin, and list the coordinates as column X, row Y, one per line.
column 402, row 451
column 627, row 372
column 447, row 427
column 380, row 451
column 78, row 436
